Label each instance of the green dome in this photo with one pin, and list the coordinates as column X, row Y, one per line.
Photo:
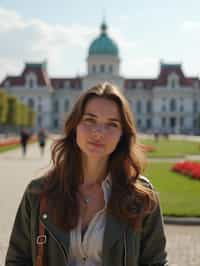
column 103, row 45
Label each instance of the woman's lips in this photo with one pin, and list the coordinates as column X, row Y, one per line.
column 96, row 144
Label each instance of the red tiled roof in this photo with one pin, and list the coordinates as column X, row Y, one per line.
column 37, row 69
column 59, row 83
column 167, row 69
column 132, row 83
column 13, row 81
column 162, row 80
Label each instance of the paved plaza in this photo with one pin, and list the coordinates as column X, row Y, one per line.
column 183, row 242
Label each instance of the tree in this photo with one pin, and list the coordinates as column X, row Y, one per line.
column 3, row 106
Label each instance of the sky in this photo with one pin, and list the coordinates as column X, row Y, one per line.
column 147, row 32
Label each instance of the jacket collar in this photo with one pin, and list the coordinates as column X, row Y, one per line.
column 114, row 229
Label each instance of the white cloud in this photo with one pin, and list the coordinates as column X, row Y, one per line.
column 146, row 67
column 64, row 47
column 191, row 26
column 33, row 40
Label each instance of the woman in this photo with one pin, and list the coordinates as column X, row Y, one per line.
column 100, row 210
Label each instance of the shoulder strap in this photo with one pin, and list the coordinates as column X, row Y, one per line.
column 41, row 238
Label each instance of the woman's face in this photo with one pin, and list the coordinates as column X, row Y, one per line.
column 100, row 129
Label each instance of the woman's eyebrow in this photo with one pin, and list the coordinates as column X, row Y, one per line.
column 110, row 119
column 90, row 114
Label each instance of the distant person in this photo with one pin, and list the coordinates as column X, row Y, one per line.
column 42, row 135
column 24, row 137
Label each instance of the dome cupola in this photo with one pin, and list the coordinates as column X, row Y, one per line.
column 103, row 45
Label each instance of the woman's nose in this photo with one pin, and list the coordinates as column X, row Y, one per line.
column 99, row 128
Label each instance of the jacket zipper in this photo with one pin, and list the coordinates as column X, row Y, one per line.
column 65, row 254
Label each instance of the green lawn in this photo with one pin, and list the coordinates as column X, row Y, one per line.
column 172, row 148
column 179, row 195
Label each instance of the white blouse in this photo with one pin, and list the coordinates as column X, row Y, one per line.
column 88, row 251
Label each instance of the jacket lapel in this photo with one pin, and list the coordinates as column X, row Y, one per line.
column 114, row 230
column 60, row 236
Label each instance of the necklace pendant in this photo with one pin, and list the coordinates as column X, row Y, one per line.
column 87, row 200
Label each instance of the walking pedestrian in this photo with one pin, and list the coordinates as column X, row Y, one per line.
column 42, row 135
column 24, row 137
column 93, row 207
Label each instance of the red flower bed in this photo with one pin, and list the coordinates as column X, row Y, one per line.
column 188, row 168
column 13, row 141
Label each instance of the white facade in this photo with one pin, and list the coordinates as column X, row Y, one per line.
column 168, row 103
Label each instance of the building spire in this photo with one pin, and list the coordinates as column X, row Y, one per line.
column 103, row 24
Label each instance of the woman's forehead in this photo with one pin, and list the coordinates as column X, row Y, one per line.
column 102, row 106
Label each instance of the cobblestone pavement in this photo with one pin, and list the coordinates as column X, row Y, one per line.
column 183, row 242
column 183, row 245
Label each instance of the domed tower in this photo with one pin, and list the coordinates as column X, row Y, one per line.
column 103, row 56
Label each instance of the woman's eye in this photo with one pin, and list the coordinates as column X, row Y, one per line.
column 113, row 125
column 89, row 120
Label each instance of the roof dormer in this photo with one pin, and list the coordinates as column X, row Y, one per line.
column 173, row 80
column 31, row 80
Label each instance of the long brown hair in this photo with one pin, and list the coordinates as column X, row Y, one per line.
column 130, row 200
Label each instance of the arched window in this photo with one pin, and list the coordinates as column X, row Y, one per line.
column 149, row 106
column 31, row 103
column 164, row 108
column 138, row 107
column 39, row 107
column 102, row 68
column 173, row 80
column 110, row 69
column 31, row 80
column 148, row 123
column 172, row 105
column 195, row 106
column 93, row 69
column 55, row 106
column 66, row 105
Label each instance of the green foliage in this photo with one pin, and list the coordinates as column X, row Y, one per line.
column 31, row 117
column 3, row 106
column 13, row 112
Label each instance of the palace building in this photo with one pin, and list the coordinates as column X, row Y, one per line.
column 168, row 103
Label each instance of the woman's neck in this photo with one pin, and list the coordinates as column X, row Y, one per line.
column 94, row 172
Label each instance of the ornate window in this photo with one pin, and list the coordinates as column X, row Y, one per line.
column 139, row 84
column 173, row 80
column 67, row 84
column 93, row 69
column 149, row 106
column 102, row 68
column 148, row 123
column 39, row 107
column 31, row 80
column 66, row 105
column 172, row 105
column 163, row 121
column 110, row 69
column 31, row 103
column 56, row 106
column 138, row 107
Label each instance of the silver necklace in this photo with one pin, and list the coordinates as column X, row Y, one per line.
column 87, row 200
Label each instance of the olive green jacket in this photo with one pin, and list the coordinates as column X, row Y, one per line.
column 122, row 246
